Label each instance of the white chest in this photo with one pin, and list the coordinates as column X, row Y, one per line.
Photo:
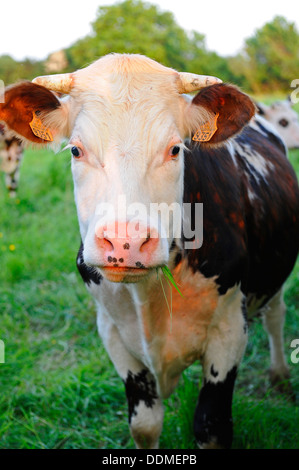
column 166, row 340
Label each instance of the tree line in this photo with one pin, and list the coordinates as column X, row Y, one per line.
column 268, row 61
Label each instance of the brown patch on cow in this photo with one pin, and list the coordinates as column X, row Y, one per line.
column 234, row 107
column 180, row 335
column 21, row 101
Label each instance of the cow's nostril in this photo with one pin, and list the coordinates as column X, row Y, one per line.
column 106, row 244
column 148, row 244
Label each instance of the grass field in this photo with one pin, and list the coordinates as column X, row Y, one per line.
column 58, row 388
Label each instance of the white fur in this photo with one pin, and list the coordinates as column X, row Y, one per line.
column 282, row 110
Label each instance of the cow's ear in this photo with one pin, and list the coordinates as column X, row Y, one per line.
column 24, row 106
column 230, row 109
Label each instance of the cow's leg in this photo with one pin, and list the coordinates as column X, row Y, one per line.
column 145, row 406
column 227, row 340
column 273, row 318
column 11, row 181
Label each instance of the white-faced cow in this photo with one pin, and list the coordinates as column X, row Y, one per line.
column 284, row 119
column 11, row 155
column 130, row 130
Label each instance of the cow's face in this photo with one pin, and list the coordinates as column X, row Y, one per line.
column 126, row 121
column 284, row 119
column 127, row 160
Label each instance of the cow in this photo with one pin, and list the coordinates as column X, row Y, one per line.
column 11, row 155
column 282, row 116
column 138, row 143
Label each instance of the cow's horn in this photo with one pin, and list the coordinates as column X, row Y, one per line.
column 61, row 83
column 189, row 82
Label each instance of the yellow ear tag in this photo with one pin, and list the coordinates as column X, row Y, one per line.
column 206, row 130
column 39, row 129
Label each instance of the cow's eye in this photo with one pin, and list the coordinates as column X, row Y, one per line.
column 174, row 151
column 283, row 122
column 76, row 152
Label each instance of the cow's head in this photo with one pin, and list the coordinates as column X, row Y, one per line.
column 285, row 120
column 126, row 118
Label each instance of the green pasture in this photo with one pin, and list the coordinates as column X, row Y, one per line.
column 58, row 388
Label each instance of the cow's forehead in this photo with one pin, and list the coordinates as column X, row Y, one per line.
column 283, row 107
column 117, row 74
column 132, row 129
column 131, row 101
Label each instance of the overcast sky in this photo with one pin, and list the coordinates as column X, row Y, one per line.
column 35, row 28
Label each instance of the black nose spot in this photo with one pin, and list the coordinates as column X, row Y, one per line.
column 126, row 246
column 115, row 265
column 110, row 259
column 114, row 260
column 121, row 260
column 139, row 265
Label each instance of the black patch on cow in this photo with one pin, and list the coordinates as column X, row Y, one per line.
column 174, row 248
column 272, row 138
column 110, row 259
column 259, row 109
column 249, row 241
column 210, row 178
column 140, row 387
column 121, row 260
column 173, row 245
column 9, row 142
column 88, row 273
column 272, row 217
column 213, row 415
column 126, row 246
column 214, row 372
column 244, row 313
column 178, row 259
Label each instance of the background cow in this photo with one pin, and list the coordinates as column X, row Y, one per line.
column 284, row 119
column 11, row 155
column 128, row 125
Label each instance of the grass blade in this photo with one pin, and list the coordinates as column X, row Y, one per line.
column 167, row 273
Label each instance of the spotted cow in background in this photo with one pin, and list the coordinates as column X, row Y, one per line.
column 285, row 120
column 11, row 155
column 131, row 132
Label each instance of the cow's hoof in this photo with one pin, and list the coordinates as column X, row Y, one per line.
column 213, row 434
